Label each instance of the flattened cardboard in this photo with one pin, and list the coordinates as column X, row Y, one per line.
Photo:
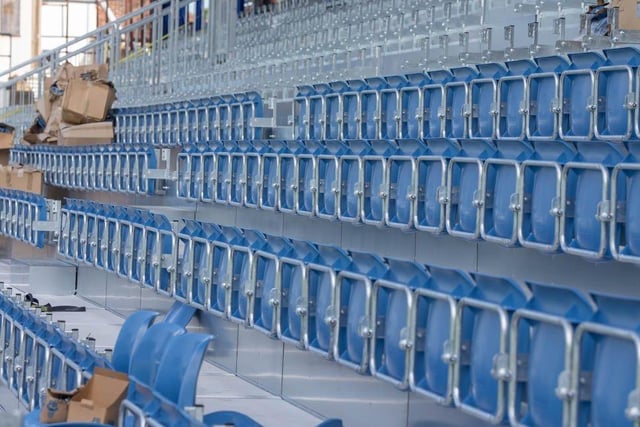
column 43, row 106
column 99, row 400
column 6, row 136
column 4, row 156
column 628, row 18
column 56, row 406
column 87, row 134
column 86, row 101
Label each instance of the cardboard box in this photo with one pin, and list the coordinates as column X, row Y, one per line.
column 43, row 106
column 53, row 124
column 628, row 18
column 6, row 136
column 26, row 179
column 5, row 176
column 87, row 101
column 87, row 134
column 56, row 406
column 4, row 156
column 99, row 400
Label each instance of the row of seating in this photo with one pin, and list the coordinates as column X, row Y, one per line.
column 115, row 168
column 38, row 353
column 578, row 198
column 494, row 347
column 25, row 216
column 582, row 97
column 162, row 361
column 226, row 117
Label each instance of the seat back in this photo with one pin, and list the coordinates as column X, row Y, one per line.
column 150, row 350
column 177, row 374
column 130, row 334
column 230, row 418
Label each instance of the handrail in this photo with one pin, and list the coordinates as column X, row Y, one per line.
column 114, row 24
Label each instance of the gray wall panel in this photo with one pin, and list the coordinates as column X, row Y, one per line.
column 260, row 359
column 337, row 391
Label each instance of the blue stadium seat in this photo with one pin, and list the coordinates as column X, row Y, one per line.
column 269, row 184
column 547, row 323
column 186, row 258
column 242, row 274
column 431, row 185
column 456, row 103
column 350, row 180
column 411, row 106
column 434, row 104
column 293, row 316
column 371, row 108
column 237, row 117
column 177, row 377
column 577, row 94
column 144, row 370
column 185, row 176
column 390, row 107
column 543, row 99
column 209, row 174
column 501, row 201
column 481, row 377
column 237, row 186
column 464, row 196
column 252, row 107
column 434, row 314
column 539, row 189
column 392, row 308
column 301, row 112
column 202, row 258
column 328, row 193
column 161, row 273
column 334, row 112
column 223, row 176
column 222, row 291
column 616, row 86
column 483, row 95
column 625, row 242
column 512, row 100
column 224, row 116
column 317, row 111
column 139, row 246
column 585, row 200
column 400, row 203
column 288, row 171
column 266, row 285
column 254, row 183
column 352, row 110
column 353, row 290
column 125, row 245
column 374, row 186
column 196, row 172
column 307, row 178
column 323, row 315
column 605, row 365
column 131, row 332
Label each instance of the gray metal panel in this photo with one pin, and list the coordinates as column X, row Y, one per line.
column 122, row 296
column 92, row 284
column 313, row 229
column 424, row 412
column 387, row 242
column 337, row 391
column 260, row 359
column 446, row 251
column 225, row 345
